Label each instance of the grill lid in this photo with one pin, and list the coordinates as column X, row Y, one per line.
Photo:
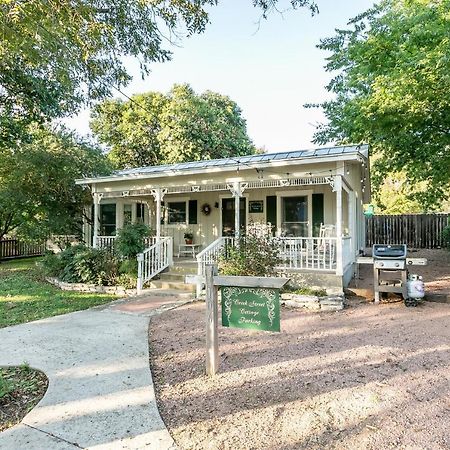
column 383, row 251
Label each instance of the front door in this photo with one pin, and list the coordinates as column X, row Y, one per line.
column 295, row 216
column 228, row 215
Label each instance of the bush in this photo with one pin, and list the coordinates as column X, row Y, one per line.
column 446, row 236
column 80, row 264
column 131, row 240
column 254, row 255
column 126, row 280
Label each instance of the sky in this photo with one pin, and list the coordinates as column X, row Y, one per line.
column 270, row 68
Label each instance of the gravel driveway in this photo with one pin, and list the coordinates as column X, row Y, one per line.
column 368, row 377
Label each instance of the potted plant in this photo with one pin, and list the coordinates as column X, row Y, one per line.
column 188, row 237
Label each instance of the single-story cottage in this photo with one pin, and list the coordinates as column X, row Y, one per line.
column 312, row 200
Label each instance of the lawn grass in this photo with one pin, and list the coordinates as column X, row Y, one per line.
column 25, row 295
column 21, row 388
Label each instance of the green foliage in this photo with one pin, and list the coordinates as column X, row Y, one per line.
column 38, row 196
column 129, row 267
column 57, row 56
column 126, row 280
column 254, row 255
column 446, row 236
column 131, row 239
column 80, row 264
column 25, row 296
column 6, row 387
column 391, row 91
column 179, row 126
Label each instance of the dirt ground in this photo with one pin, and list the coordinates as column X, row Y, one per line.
column 368, row 377
column 436, row 274
column 21, row 388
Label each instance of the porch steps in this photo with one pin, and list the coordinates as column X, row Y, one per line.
column 157, row 292
column 178, row 286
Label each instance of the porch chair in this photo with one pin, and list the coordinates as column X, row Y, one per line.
column 326, row 250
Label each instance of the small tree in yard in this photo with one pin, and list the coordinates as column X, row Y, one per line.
column 254, row 255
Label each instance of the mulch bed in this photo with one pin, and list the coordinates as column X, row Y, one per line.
column 370, row 376
column 21, row 388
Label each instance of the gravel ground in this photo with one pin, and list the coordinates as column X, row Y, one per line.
column 368, row 377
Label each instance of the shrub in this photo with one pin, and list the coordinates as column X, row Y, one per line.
column 126, row 280
column 80, row 264
column 129, row 267
column 446, row 236
column 95, row 266
column 131, row 239
column 254, row 255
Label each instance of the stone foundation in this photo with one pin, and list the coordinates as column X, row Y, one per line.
column 312, row 302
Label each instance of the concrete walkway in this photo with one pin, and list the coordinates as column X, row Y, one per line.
column 100, row 393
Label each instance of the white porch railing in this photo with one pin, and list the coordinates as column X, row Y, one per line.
column 153, row 260
column 314, row 253
column 107, row 242
column 347, row 257
column 211, row 253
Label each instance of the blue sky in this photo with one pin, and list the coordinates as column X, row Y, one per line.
column 269, row 67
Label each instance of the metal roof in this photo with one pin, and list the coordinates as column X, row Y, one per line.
column 242, row 161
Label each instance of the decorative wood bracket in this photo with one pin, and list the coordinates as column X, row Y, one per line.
column 158, row 194
column 237, row 188
column 330, row 181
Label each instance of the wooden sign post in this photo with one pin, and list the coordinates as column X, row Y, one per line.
column 247, row 302
column 212, row 344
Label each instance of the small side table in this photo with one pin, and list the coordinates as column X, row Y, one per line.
column 188, row 249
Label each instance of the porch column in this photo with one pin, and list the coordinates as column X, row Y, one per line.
column 119, row 215
column 158, row 195
column 236, row 190
column 96, row 222
column 338, row 189
column 352, row 221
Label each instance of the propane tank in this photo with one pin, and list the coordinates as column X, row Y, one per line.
column 415, row 286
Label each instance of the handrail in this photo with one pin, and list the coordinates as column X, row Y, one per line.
column 211, row 254
column 154, row 260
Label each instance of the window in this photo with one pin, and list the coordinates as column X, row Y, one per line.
column 127, row 214
column 193, row 212
column 108, row 219
column 295, row 216
column 176, row 212
column 140, row 213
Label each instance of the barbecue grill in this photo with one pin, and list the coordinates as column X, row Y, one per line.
column 389, row 270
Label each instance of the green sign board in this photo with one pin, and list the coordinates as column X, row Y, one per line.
column 256, row 308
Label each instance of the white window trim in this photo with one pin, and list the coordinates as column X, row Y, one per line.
column 297, row 193
column 166, row 211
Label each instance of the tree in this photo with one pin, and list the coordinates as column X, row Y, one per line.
column 391, row 91
column 153, row 128
column 57, row 55
column 38, row 195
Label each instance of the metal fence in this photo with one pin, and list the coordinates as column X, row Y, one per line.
column 13, row 248
column 414, row 230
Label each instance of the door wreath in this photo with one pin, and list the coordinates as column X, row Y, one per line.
column 206, row 209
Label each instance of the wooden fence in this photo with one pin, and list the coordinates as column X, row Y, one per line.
column 13, row 248
column 414, row 230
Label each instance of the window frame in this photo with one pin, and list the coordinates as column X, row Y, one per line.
column 184, row 200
